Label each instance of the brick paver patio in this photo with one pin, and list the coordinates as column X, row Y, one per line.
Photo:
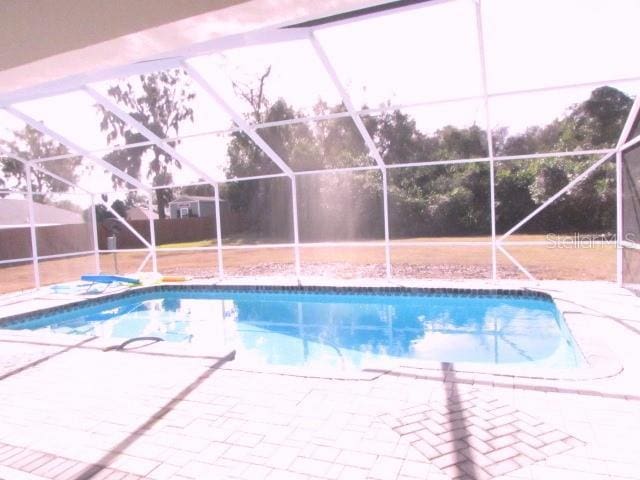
column 76, row 412
column 475, row 436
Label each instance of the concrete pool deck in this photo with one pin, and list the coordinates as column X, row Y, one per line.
column 69, row 411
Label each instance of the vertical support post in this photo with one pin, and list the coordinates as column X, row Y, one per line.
column 216, row 189
column 296, row 232
column 32, row 227
column 492, row 194
column 485, row 93
column 94, row 223
column 626, row 129
column 385, row 206
column 152, row 237
column 619, row 226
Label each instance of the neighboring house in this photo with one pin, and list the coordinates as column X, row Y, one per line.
column 192, row 206
column 141, row 213
column 14, row 213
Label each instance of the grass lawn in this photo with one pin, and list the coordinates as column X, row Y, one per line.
column 408, row 261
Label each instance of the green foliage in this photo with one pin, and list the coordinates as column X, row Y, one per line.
column 266, row 204
column 431, row 200
column 202, row 190
column 102, row 212
column 161, row 102
column 29, row 143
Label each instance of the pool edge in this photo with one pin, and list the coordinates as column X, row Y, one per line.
column 600, row 363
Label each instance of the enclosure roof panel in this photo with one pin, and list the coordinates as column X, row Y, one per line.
column 67, row 38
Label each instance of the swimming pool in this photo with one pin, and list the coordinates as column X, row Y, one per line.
column 335, row 328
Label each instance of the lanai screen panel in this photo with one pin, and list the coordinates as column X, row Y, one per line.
column 533, row 44
column 561, row 120
column 319, row 145
column 19, row 139
column 64, row 236
column 342, row 224
column 631, row 195
column 257, row 227
column 75, row 116
column 430, row 133
column 220, row 156
column 585, row 114
column 631, row 216
column 411, row 56
column 440, row 221
column 573, row 236
column 195, row 136
column 271, row 82
column 194, row 112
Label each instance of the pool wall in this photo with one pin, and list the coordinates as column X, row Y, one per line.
column 401, row 291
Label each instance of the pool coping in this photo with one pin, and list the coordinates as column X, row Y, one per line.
column 600, row 361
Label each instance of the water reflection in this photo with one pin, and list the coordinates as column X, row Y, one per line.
column 341, row 331
column 440, row 329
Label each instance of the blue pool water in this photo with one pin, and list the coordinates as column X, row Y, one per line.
column 338, row 330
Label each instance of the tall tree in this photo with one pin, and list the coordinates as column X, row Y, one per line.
column 162, row 103
column 434, row 200
column 200, row 190
column 520, row 187
column 594, row 123
column 319, row 145
column 251, row 199
column 102, row 212
column 29, row 143
column 598, row 121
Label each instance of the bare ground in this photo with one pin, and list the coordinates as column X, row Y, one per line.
column 415, row 262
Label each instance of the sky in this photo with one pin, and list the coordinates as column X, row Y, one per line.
column 423, row 54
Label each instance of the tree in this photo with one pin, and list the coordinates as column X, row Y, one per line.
column 597, row 122
column 594, row 123
column 433, row 200
column 162, row 103
column 201, row 190
column 250, row 198
column 398, row 139
column 29, row 143
column 102, row 212
column 430, row 200
column 324, row 144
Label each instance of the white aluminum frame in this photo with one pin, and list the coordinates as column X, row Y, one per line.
column 216, row 192
column 273, row 35
column 32, row 228
column 489, row 130
column 623, row 144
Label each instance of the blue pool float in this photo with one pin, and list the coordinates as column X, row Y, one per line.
column 109, row 279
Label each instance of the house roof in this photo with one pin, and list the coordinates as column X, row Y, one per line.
column 192, row 198
column 15, row 212
column 139, row 213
